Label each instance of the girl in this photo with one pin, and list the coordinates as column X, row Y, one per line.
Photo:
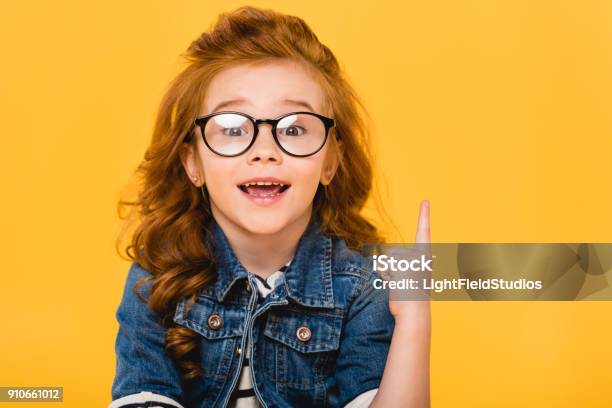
column 245, row 287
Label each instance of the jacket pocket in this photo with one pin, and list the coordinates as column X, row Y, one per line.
column 211, row 319
column 221, row 327
column 301, row 346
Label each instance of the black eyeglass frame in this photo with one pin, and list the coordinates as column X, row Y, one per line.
column 202, row 120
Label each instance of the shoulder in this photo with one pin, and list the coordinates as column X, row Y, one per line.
column 350, row 268
column 346, row 261
column 137, row 273
column 136, row 293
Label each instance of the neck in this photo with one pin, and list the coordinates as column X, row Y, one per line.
column 262, row 254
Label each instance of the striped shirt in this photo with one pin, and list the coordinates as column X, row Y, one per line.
column 244, row 395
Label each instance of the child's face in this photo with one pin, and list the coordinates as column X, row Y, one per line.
column 264, row 91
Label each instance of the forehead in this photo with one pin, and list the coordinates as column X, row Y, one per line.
column 265, row 89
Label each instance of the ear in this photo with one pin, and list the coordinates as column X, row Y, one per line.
column 190, row 162
column 332, row 160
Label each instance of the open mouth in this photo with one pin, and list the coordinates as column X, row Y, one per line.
column 264, row 189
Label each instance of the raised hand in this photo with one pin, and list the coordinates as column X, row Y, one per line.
column 405, row 382
column 415, row 312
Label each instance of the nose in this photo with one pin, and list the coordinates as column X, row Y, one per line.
column 264, row 149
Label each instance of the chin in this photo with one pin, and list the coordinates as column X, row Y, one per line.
column 264, row 225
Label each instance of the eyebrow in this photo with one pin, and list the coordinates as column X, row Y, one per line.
column 300, row 103
column 238, row 101
column 227, row 103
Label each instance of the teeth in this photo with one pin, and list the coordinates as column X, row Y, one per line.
column 262, row 183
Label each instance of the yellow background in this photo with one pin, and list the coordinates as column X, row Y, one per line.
column 496, row 111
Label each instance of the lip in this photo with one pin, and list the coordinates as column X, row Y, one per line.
column 261, row 200
column 264, row 200
column 266, row 180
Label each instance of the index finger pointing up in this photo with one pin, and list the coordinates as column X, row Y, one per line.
column 423, row 234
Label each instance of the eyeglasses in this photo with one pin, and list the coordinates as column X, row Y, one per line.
column 229, row 134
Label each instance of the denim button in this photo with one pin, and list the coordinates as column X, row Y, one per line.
column 303, row 333
column 214, row 321
column 238, row 350
column 248, row 286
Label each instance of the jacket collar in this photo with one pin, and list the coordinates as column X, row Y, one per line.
column 308, row 279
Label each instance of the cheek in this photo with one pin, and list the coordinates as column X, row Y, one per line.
column 306, row 175
column 217, row 174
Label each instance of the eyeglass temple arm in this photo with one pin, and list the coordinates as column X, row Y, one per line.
column 189, row 134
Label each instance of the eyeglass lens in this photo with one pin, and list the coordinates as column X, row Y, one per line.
column 230, row 133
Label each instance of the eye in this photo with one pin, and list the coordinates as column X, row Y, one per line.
column 235, row 131
column 294, row 130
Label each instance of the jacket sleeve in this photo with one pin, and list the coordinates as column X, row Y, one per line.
column 144, row 371
column 365, row 341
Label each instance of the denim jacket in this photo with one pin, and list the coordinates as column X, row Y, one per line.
column 318, row 340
